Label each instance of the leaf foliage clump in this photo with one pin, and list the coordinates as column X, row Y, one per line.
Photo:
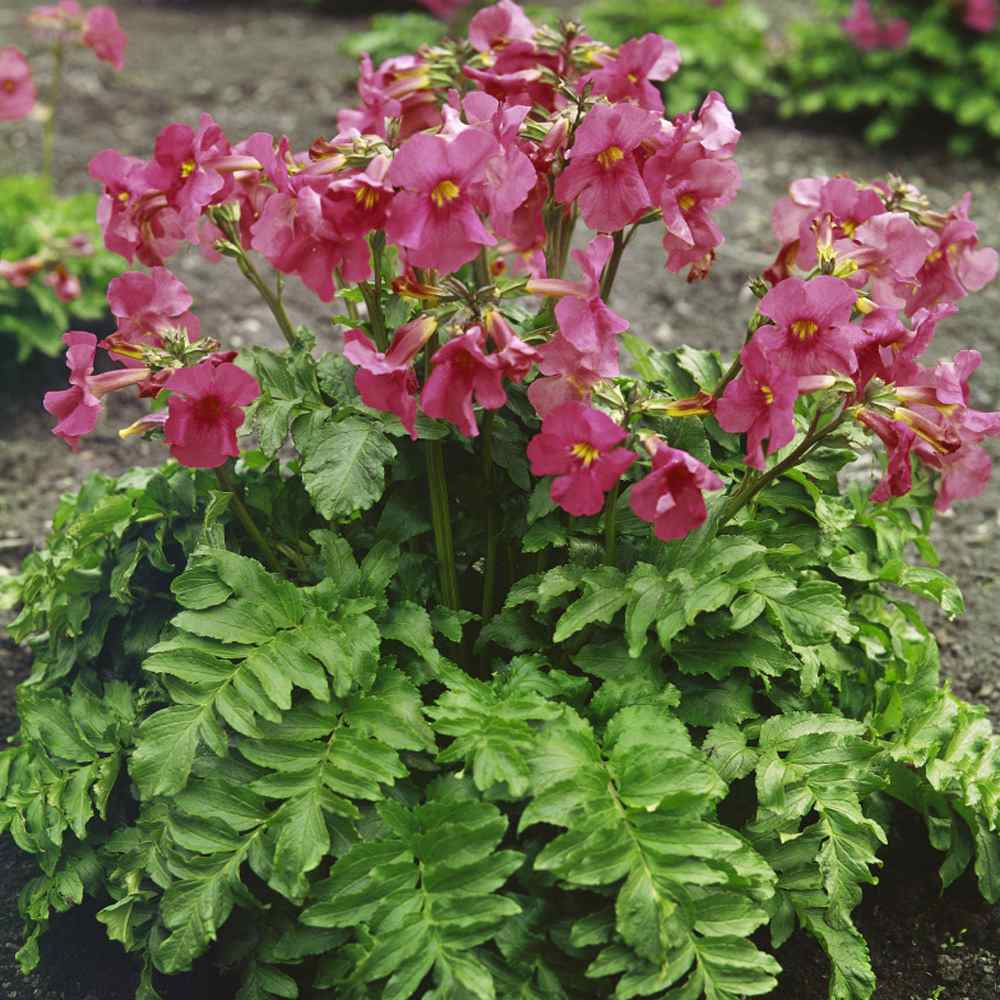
column 627, row 779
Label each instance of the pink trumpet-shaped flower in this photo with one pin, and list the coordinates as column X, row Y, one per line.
column 759, row 403
column 578, row 445
column 603, row 175
column 103, row 34
column 868, row 34
column 204, row 412
column 144, row 304
column 899, row 441
column 66, row 285
column 463, row 370
column 434, row 216
column 812, row 332
column 627, row 76
column 670, row 497
column 187, row 159
column 78, row 407
column 387, row 381
column 515, row 357
column 496, row 26
column 17, row 89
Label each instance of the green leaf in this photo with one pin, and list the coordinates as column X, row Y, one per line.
column 811, row 613
column 343, row 465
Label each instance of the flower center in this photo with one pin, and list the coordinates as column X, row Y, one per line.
column 768, row 393
column 367, row 197
column 848, row 226
column 804, row 328
column 8, row 86
column 686, row 202
column 632, row 78
column 444, row 192
column 607, row 158
column 208, row 409
column 187, row 168
column 586, row 452
column 123, row 196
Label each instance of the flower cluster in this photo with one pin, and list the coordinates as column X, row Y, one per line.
column 69, row 23
column 870, row 31
column 452, row 193
column 876, row 270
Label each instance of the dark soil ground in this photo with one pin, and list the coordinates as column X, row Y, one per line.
column 279, row 69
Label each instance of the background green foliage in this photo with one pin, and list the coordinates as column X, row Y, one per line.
column 327, row 781
column 944, row 83
column 33, row 318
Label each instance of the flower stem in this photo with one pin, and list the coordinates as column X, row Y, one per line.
column 49, row 135
column 229, row 484
column 490, row 568
column 444, row 543
column 373, row 294
column 752, row 485
column 272, row 299
column 611, row 525
column 611, row 271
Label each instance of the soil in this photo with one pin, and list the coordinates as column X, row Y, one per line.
column 270, row 67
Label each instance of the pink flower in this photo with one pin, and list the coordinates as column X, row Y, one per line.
column 133, row 211
column 515, row 357
column 811, row 332
column 78, row 407
column 760, row 403
column 521, row 74
column 891, row 250
column 444, row 9
column 102, row 33
column 20, row 272
column 957, row 265
column 63, row 283
column 867, row 33
column 17, row 89
column 980, row 15
column 670, row 497
column 188, row 161
column 899, row 441
column 462, row 370
column 387, row 381
column 144, row 304
column 496, row 26
column 204, row 412
column 626, row 76
column 434, row 216
column 577, row 445
column 603, row 175
column 964, row 473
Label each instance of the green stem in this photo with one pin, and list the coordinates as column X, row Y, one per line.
column 611, row 270
column 444, row 543
column 349, row 305
column 481, row 269
column 228, row 482
column 49, row 135
column 611, row 525
column 751, row 486
column 375, row 315
column 490, row 569
column 272, row 300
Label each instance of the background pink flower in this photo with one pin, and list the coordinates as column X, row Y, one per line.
column 17, row 89
column 103, row 34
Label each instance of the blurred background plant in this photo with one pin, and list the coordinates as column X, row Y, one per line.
column 53, row 265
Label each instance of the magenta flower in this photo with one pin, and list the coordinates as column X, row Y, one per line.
column 964, row 473
column 145, row 304
column 17, row 89
column 811, row 332
column 444, row 9
column 496, row 26
column 387, row 381
column 462, row 370
column 434, row 216
column 759, row 403
column 63, row 283
column 980, row 15
column 627, row 75
column 78, row 407
column 603, row 175
column 670, row 497
column 578, row 445
column 891, row 250
column 204, row 412
column 103, row 34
